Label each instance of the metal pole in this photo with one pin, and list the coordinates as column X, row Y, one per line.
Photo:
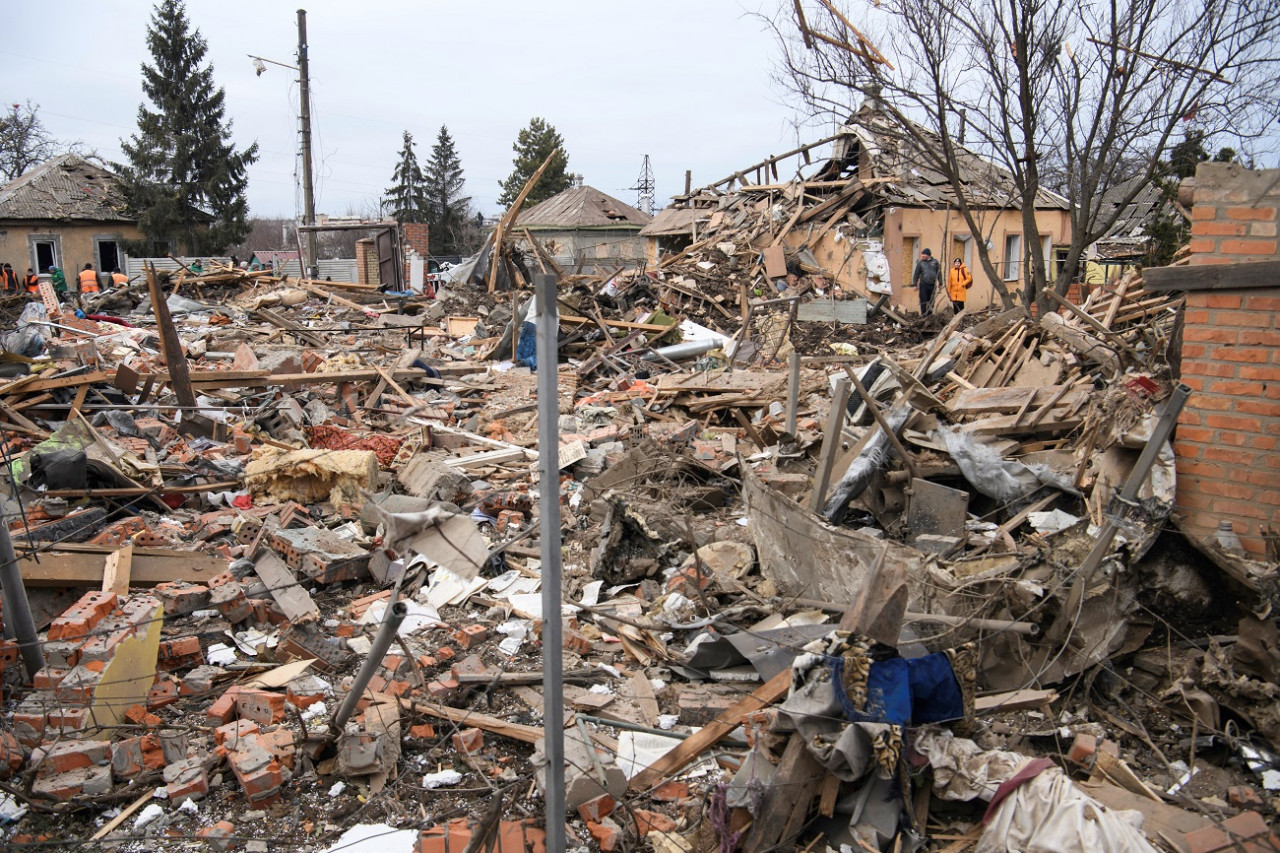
column 549, row 508
column 17, row 610
column 304, row 112
column 391, row 620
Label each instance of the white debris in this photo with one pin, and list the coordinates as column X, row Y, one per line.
column 601, row 690
column 375, row 838
column 220, row 654
column 337, row 789
column 189, row 806
column 442, row 779
column 667, row 722
column 147, row 815
column 1271, row 780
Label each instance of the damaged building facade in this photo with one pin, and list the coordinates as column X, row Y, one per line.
column 833, row 577
column 862, row 205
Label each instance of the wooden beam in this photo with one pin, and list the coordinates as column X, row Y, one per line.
column 170, row 344
column 85, row 565
column 1212, row 276
column 494, row 725
column 675, row 760
column 503, row 229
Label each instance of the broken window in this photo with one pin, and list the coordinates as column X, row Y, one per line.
column 1012, row 257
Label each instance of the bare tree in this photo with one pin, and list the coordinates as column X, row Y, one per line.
column 1100, row 89
column 24, row 141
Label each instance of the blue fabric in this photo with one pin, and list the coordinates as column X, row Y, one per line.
column 935, row 692
column 889, row 692
column 904, row 692
column 527, row 349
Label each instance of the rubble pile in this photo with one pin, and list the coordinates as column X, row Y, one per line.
column 280, row 541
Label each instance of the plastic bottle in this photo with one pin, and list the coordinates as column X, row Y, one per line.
column 1226, row 539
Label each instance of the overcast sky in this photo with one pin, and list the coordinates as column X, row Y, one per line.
column 684, row 81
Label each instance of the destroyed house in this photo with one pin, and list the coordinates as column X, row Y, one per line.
column 66, row 212
column 584, row 229
column 859, row 207
column 1131, row 239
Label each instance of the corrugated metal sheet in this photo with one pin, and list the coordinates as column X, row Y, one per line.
column 64, row 188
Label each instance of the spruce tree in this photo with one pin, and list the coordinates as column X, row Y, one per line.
column 407, row 195
column 185, row 179
column 532, row 146
column 449, row 209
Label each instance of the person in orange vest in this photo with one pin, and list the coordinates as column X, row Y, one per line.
column 959, row 280
column 118, row 279
column 88, row 280
column 31, row 281
column 9, row 280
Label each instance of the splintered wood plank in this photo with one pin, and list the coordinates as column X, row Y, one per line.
column 283, row 585
column 115, row 575
column 642, row 694
column 786, row 798
column 68, row 566
column 728, row 720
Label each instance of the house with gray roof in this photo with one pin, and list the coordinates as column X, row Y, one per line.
column 66, row 212
column 586, row 230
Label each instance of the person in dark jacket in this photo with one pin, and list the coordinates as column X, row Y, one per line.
column 925, row 277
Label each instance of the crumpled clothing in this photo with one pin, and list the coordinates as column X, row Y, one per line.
column 1048, row 814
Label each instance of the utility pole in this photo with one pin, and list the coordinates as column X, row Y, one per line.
column 304, row 111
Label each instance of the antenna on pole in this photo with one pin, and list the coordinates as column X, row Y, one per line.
column 644, row 188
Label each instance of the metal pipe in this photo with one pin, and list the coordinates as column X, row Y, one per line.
column 17, row 610
column 1028, row 629
column 547, row 322
column 391, row 620
column 688, row 349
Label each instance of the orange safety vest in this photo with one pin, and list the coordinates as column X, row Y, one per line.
column 10, row 280
column 119, row 278
column 88, row 281
column 33, row 283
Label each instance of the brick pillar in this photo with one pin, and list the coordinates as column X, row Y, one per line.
column 367, row 262
column 416, row 236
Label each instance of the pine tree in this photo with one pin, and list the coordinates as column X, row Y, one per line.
column 532, row 146
column 407, row 196
column 449, row 209
column 185, row 179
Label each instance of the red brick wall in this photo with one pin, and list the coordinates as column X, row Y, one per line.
column 1228, row 438
column 1234, row 216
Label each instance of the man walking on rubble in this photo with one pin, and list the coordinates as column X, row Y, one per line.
column 925, row 277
